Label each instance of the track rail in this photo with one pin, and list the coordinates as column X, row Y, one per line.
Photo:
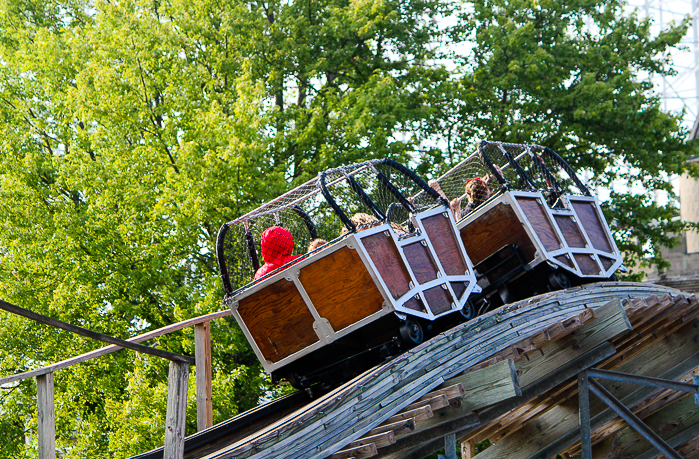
column 300, row 428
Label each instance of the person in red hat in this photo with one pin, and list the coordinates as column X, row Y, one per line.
column 276, row 243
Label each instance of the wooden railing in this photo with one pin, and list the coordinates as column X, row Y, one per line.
column 178, row 377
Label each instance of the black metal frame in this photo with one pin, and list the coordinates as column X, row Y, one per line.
column 587, row 384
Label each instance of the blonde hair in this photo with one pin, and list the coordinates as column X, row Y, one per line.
column 359, row 219
column 315, row 243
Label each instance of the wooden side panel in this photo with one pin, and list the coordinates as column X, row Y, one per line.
column 592, row 224
column 438, row 229
column 278, row 320
column 459, row 288
column 484, row 236
column 384, row 254
column 341, row 288
column 438, row 299
column 565, row 260
column 415, row 304
column 420, row 262
column 606, row 262
column 587, row 264
column 536, row 215
column 570, row 231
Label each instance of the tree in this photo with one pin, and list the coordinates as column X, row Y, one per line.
column 569, row 75
column 130, row 131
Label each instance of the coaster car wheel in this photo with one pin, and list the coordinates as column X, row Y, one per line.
column 559, row 280
column 411, row 332
column 468, row 312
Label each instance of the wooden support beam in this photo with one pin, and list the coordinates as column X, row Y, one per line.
column 450, row 446
column 490, row 415
column 398, row 428
column 468, row 449
column 557, row 429
column 381, row 440
column 677, row 423
column 46, row 416
column 487, row 386
column 92, row 334
column 359, row 452
column 175, row 417
column 202, row 357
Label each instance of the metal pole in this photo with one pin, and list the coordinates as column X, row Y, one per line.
column 584, row 402
column 633, row 420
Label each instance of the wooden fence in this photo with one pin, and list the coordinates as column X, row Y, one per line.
column 178, row 377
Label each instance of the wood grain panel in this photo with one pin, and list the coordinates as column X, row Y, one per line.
column 278, row 320
column 420, row 262
column 341, row 288
column 459, row 288
column 536, row 215
column 592, row 224
column 606, row 262
column 438, row 229
column 438, row 299
column 570, row 231
column 587, row 264
column 565, row 260
column 484, row 236
column 415, row 304
column 384, row 254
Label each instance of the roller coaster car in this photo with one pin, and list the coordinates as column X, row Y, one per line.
column 364, row 296
column 543, row 230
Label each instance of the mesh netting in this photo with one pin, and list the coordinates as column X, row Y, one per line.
column 468, row 185
column 363, row 194
column 522, row 167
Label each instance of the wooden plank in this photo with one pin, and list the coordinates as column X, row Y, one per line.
column 175, row 417
column 468, row 449
column 278, row 320
column 416, row 414
column 571, row 232
column 434, row 402
column 611, row 321
column 398, row 428
column 450, row 446
column 539, row 222
column 587, row 213
column 490, row 415
column 46, row 417
column 487, row 386
column 438, row 299
column 389, row 264
column 358, row 452
column 341, row 288
column 420, row 262
column 92, row 334
column 202, row 357
column 113, row 348
column 674, row 420
column 380, row 440
column 439, row 230
column 560, row 424
column 484, row 236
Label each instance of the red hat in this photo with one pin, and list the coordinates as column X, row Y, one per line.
column 276, row 244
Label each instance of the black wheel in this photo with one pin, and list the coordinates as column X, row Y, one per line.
column 411, row 331
column 559, row 280
column 469, row 311
column 295, row 380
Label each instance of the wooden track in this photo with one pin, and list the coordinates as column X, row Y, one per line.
column 508, row 376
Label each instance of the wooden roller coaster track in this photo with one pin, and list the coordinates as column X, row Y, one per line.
column 510, row 376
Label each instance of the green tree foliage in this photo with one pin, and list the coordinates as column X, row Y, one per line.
column 131, row 130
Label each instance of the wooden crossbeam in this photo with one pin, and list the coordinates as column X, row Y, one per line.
column 93, row 334
column 359, row 452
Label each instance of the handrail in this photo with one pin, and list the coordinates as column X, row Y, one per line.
column 113, row 348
